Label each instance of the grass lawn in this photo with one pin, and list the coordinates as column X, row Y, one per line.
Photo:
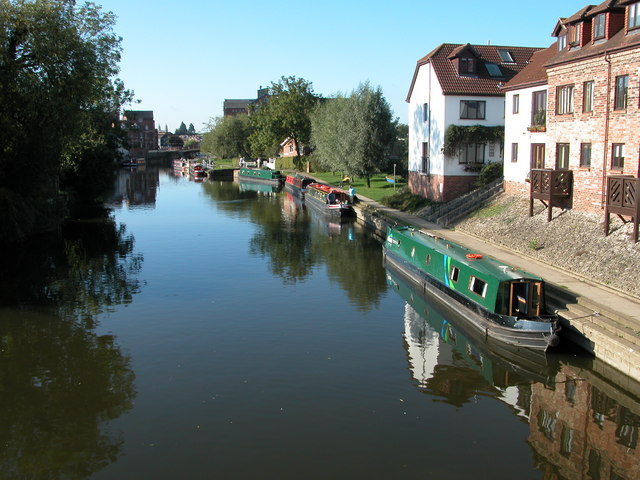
column 379, row 189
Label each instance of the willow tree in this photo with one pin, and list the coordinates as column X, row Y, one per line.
column 354, row 134
column 227, row 137
column 60, row 101
column 284, row 114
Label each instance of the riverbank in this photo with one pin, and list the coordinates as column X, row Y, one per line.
column 573, row 241
column 602, row 320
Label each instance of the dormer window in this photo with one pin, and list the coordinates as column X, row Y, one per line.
column 466, row 65
column 575, row 35
column 598, row 27
column 562, row 42
column 634, row 16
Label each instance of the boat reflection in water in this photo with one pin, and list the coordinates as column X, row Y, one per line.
column 262, row 188
column 582, row 424
column 447, row 361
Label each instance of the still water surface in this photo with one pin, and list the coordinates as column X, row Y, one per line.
column 212, row 330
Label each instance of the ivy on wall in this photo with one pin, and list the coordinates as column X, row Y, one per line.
column 458, row 135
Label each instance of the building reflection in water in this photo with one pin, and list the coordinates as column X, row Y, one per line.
column 136, row 188
column 581, row 425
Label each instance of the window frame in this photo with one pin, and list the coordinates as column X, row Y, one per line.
column 538, row 105
column 466, row 65
column 425, row 112
column 425, row 158
column 564, row 99
column 574, row 34
column 585, row 155
column 454, row 274
column 516, row 104
column 514, row 153
column 562, row 42
column 588, row 95
column 599, row 27
column 536, row 150
column 633, row 21
column 478, row 151
column 475, row 281
column 481, row 109
column 621, row 92
column 617, row 156
column 563, row 152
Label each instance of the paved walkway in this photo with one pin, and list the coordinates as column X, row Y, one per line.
column 626, row 309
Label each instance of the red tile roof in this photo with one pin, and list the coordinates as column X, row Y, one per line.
column 534, row 73
column 482, row 83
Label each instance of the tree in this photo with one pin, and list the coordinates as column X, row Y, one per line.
column 182, row 130
column 228, row 137
column 354, row 134
column 285, row 114
column 60, row 102
column 192, row 129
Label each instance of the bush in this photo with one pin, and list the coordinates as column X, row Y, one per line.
column 406, row 201
column 489, row 173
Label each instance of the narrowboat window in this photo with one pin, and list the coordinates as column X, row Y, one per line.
column 428, row 259
column 479, row 287
column 413, row 252
column 455, row 271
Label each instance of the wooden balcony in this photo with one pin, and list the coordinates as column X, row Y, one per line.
column 623, row 201
column 553, row 188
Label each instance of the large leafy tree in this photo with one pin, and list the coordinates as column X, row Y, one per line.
column 228, row 137
column 285, row 114
column 60, row 102
column 354, row 134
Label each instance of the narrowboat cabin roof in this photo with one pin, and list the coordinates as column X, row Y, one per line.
column 458, row 253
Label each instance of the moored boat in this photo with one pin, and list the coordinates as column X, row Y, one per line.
column 503, row 302
column 427, row 319
column 297, row 184
column 197, row 170
column 331, row 201
column 260, row 175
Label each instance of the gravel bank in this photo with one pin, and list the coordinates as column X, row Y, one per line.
column 573, row 241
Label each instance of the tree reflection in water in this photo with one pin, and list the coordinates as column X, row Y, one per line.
column 59, row 381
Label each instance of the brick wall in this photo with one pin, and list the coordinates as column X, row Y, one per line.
column 429, row 186
column 576, row 128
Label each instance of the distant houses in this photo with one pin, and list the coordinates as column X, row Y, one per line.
column 238, row 106
column 142, row 135
column 572, row 108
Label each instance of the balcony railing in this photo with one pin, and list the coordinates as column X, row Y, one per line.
column 623, row 201
column 553, row 188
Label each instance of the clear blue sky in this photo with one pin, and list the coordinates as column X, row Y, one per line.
column 182, row 59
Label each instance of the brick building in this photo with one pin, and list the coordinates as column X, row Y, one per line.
column 593, row 116
column 238, row 106
column 142, row 135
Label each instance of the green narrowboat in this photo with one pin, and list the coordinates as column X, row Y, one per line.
column 261, row 175
column 429, row 318
column 501, row 301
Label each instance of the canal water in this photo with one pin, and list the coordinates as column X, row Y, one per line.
column 219, row 330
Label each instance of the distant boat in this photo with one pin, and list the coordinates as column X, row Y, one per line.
column 391, row 180
column 501, row 301
column 260, row 175
column 331, row 201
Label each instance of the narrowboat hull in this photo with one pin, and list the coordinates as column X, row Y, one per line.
column 260, row 175
column 533, row 334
